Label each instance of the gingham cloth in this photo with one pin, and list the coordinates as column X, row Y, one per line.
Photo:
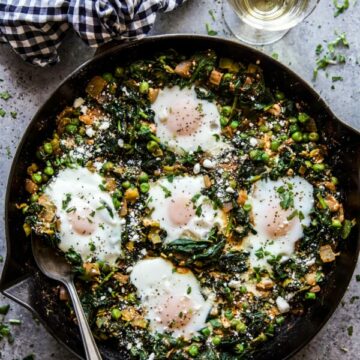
column 35, row 28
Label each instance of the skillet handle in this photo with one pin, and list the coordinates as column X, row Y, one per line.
column 90, row 347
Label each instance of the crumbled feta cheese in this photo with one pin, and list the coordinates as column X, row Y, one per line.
column 104, row 125
column 208, row 164
column 252, row 141
column 196, row 168
column 282, row 305
column 90, row 132
column 234, row 284
column 229, row 190
column 151, row 357
column 121, row 143
column 83, row 109
column 78, row 102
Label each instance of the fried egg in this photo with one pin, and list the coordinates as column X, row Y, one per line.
column 185, row 122
column 280, row 210
column 180, row 208
column 89, row 222
column 173, row 301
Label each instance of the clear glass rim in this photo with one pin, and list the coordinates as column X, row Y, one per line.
column 289, row 26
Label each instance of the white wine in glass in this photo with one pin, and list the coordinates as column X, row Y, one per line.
column 261, row 22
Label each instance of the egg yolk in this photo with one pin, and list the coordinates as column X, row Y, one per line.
column 277, row 222
column 180, row 210
column 184, row 117
column 81, row 221
column 176, row 311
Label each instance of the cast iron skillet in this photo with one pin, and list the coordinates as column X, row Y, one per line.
column 22, row 281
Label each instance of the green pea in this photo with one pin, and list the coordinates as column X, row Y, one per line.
column 71, row 129
column 34, row 198
column 143, row 177
column 292, row 120
column 241, row 327
column 234, row 323
column 305, row 137
column 279, row 95
column 144, row 187
column 310, row 296
column 274, row 146
column 152, row 146
column 116, row 203
column 223, row 120
column 75, row 121
column 108, row 166
column 313, row 136
column 82, row 130
column 294, row 128
column 144, row 87
column 276, row 128
column 308, row 164
column 265, row 157
column 49, row 171
column 303, row 117
column 193, row 350
column 228, row 314
column 234, row 124
column 126, row 184
column 247, row 207
column 318, row 167
column 216, row 340
column 48, row 148
column 335, row 223
column 334, row 180
column 206, row 331
column 115, row 314
column 297, row 136
column 255, row 154
column 227, row 76
column 280, row 320
column 263, row 128
column 37, row 178
column 108, row 77
column 240, row 348
column 119, row 71
column 225, row 110
column 243, row 288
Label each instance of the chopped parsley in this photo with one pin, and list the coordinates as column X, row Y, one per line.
column 210, row 31
column 331, row 57
column 5, row 95
column 166, row 191
column 66, row 202
column 211, row 13
column 350, row 330
column 13, row 114
column 2, row 112
column 340, row 8
column 286, row 197
column 336, row 78
column 198, row 211
column 275, row 56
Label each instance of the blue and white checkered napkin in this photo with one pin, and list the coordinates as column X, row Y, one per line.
column 35, row 28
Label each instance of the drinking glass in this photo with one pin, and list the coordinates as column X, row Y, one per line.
column 262, row 22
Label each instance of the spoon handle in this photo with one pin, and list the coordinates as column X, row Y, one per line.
column 91, row 349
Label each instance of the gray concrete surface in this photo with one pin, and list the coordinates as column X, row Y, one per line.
column 30, row 86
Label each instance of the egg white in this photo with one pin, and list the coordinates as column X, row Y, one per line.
column 80, row 203
column 159, row 285
column 163, row 195
column 277, row 229
column 184, row 104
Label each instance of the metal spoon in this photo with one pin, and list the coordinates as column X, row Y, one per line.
column 56, row 267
